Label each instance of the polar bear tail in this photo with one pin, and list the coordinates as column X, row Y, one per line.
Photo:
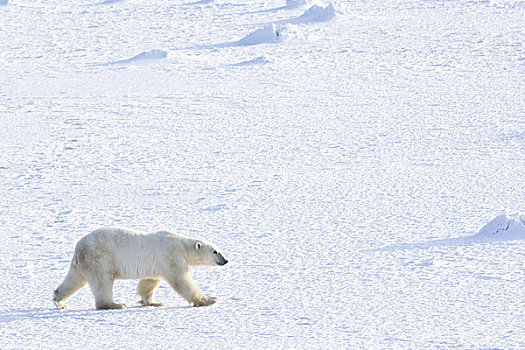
column 71, row 285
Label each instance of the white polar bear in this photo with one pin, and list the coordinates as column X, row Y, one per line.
column 116, row 253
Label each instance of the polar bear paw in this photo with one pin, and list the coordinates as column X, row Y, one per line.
column 205, row 301
column 109, row 306
column 150, row 303
column 60, row 305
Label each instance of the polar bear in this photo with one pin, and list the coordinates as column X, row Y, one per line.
column 117, row 253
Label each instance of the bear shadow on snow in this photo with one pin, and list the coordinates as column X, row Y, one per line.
column 16, row 315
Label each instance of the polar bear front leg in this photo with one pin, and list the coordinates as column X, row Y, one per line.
column 146, row 289
column 206, row 301
column 102, row 288
column 184, row 285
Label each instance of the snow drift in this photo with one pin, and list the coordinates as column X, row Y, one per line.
column 201, row 2
column 273, row 32
column 143, row 56
column 507, row 3
column 316, row 13
column 109, row 2
column 255, row 61
column 504, row 226
column 268, row 35
column 291, row 4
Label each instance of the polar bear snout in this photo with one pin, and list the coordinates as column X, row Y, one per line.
column 221, row 260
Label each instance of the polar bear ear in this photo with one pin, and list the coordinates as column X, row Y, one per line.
column 198, row 245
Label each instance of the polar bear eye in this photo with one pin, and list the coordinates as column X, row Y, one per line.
column 215, row 252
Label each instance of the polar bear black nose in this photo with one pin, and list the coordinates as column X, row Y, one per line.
column 222, row 260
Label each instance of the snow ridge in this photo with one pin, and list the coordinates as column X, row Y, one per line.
column 255, row 61
column 144, row 56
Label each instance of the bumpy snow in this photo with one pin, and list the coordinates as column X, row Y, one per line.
column 343, row 154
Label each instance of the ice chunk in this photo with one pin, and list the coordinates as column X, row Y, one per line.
column 201, row 2
column 109, row 2
column 150, row 55
column 255, row 61
column 269, row 34
column 507, row 3
column 317, row 13
column 291, row 4
column 505, row 226
column 143, row 56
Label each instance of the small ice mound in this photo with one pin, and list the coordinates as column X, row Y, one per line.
column 109, row 2
column 504, row 227
column 252, row 62
column 270, row 34
column 201, row 2
column 292, row 4
column 150, row 55
column 143, row 56
column 507, row 3
column 317, row 13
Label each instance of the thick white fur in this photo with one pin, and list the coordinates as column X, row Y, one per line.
column 116, row 253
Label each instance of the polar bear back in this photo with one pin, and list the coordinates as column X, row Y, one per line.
column 128, row 254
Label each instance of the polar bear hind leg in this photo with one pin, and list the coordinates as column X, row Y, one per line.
column 73, row 282
column 146, row 289
column 102, row 287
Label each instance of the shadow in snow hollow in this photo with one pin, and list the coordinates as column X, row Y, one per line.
column 448, row 242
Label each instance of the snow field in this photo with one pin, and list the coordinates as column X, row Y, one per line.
column 347, row 170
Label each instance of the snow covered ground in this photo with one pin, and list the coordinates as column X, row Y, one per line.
column 345, row 156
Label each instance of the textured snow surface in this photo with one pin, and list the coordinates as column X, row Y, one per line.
column 345, row 169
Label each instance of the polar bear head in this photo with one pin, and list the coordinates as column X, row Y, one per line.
column 205, row 253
